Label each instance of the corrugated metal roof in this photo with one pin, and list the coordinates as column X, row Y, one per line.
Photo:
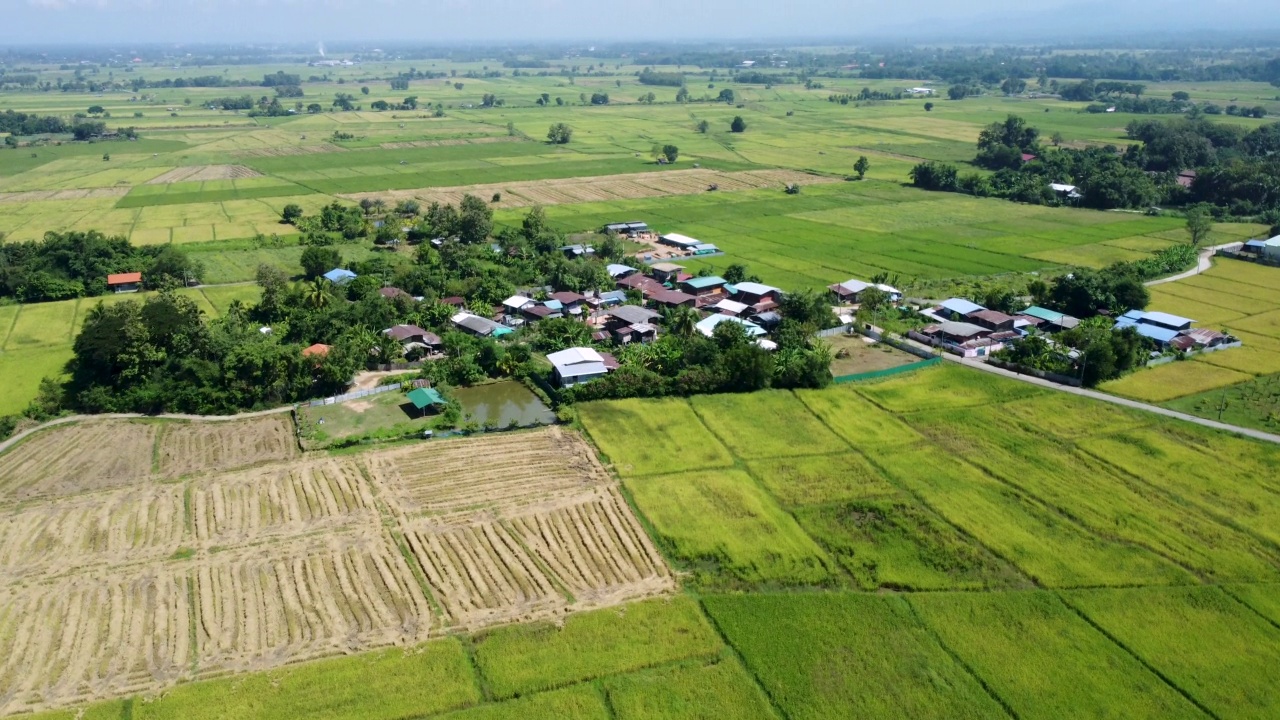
column 124, row 278
column 681, row 240
column 574, row 356
column 961, row 306
column 616, row 269
column 1168, row 320
column 707, row 326
column 339, row 275
column 699, row 283
column 755, row 288
column 633, row 314
column 667, row 267
column 426, row 397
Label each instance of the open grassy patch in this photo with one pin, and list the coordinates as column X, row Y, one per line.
column 651, row 437
column 728, row 529
column 527, row 658
column 22, row 370
column 837, row 655
column 821, row 479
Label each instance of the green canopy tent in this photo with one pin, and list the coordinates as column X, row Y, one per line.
column 424, row 398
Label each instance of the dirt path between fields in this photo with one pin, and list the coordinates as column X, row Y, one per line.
column 1203, row 263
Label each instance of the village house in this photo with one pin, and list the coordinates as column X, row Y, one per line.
column 578, row 365
column 680, row 242
column 1172, row 332
column 393, row 293
column 618, row 271
column 850, row 292
column 707, row 326
column 671, row 298
column 571, row 302
column 339, row 276
column 414, row 338
column 630, row 229
column 666, row 272
column 963, row 338
column 1046, row 320
column 124, row 282
column 706, row 289
column 478, row 326
column 993, row 320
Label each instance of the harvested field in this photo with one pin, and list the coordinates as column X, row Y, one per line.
column 77, row 458
column 457, row 476
column 200, row 173
column 294, row 498
column 75, row 194
column 114, row 528
column 287, row 150
column 603, row 188
column 114, row 581
column 212, row 446
column 87, row 637
column 597, row 549
column 483, row 575
column 448, row 142
column 304, row 600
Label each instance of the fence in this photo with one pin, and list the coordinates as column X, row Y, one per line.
column 839, row 330
column 872, row 375
column 1042, row 374
column 391, row 367
column 1166, row 359
column 357, row 394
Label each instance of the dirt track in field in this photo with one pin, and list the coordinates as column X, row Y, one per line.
column 200, row 173
column 134, row 555
column 605, row 188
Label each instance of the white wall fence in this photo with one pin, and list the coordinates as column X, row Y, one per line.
column 357, row 394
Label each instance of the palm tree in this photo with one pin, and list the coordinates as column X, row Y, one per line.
column 316, row 293
column 682, row 321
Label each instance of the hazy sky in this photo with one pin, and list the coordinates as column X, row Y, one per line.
column 439, row 21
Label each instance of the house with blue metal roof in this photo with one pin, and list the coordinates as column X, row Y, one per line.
column 339, row 276
column 1158, row 326
column 700, row 286
column 707, row 326
column 957, row 308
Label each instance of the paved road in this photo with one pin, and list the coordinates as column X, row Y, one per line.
column 1247, row 432
column 1204, row 263
column 130, row 416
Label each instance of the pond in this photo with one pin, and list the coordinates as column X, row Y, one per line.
column 499, row 403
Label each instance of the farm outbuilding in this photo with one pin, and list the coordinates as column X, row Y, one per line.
column 425, row 399
column 478, row 326
column 124, row 282
column 676, row 240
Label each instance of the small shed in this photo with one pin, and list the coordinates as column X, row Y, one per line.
column 124, row 282
column 425, row 399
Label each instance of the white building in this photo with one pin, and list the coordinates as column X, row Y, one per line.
column 578, row 365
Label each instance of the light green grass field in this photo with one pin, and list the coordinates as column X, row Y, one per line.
column 1207, row 643
column 765, row 425
column 527, row 658
column 1044, row 660
column 723, row 519
column 834, row 655
column 653, row 437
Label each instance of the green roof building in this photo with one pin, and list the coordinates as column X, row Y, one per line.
column 424, row 398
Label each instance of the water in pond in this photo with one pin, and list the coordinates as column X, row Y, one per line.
column 501, row 402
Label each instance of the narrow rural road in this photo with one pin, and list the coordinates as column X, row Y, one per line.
column 1247, row 432
column 135, row 416
column 1204, row 262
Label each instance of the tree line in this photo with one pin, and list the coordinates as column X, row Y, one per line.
column 65, row 265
